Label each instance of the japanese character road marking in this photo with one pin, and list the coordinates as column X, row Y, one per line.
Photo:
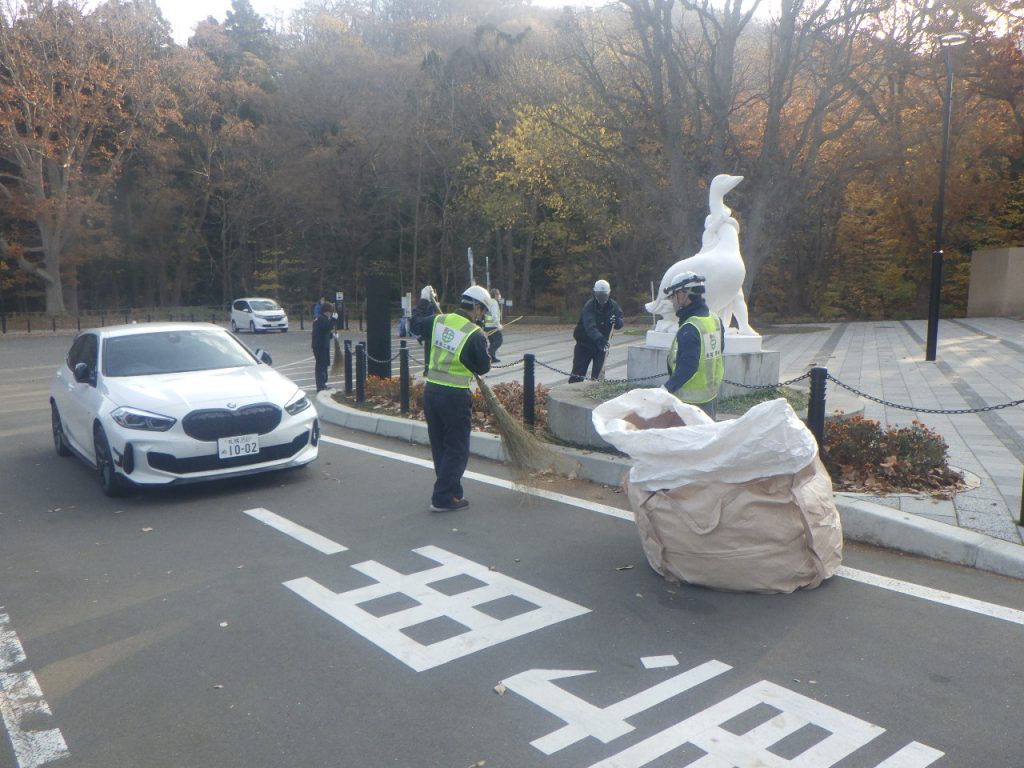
column 482, row 631
column 584, row 719
column 722, row 748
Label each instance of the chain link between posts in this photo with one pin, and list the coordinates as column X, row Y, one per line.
column 916, row 409
column 788, row 382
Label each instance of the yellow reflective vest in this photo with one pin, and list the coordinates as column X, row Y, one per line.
column 703, row 386
column 447, row 340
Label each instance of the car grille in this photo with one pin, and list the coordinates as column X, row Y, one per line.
column 273, row 318
column 214, row 423
column 167, row 463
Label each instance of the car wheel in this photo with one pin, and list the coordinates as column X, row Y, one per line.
column 60, row 442
column 284, row 330
column 109, row 480
column 252, row 326
column 234, row 326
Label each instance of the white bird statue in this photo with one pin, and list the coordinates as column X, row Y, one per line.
column 719, row 261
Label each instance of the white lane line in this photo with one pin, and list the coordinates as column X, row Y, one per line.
column 296, row 531
column 593, row 506
column 21, row 702
column 865, row 577
column 933, row 595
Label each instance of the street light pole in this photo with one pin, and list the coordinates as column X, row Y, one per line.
column 948, row 41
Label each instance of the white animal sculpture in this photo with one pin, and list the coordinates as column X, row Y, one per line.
column 719, row 261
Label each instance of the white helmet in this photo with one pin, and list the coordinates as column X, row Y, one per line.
column 427, row 293
column 601, row 286
column 477, row 294
column 690, row 282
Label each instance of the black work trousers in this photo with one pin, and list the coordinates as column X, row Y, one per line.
column 582, row 356
column 494, row 341
column 322, row 356
column 449, row 412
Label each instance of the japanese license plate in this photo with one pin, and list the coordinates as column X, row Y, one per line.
column 238, row 445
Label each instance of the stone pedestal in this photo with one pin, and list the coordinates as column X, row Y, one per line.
column 761, row 367
column 997, row 283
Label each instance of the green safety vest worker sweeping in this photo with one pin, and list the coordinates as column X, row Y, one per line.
column 457, row 350
column 695, row 365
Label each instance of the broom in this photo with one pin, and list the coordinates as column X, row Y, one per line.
column 336, row 367
column 526, row 454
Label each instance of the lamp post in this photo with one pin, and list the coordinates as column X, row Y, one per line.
column 946, row 42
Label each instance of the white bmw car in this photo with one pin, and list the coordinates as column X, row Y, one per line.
column 162, row 403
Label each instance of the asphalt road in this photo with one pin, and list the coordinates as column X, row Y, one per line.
column 203, row 626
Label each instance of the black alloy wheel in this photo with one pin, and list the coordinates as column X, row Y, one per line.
column 110, row 483
column 60, row 441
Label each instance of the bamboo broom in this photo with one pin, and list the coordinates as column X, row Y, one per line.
column 526, row 454
column 336, row 366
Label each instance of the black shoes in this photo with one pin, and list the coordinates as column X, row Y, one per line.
column 450, row 507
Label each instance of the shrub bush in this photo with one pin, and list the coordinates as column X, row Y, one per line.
column 859, row 454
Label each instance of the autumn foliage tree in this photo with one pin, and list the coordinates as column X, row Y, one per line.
column 78, row 92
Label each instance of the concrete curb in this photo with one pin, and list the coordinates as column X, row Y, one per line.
column 863, row 521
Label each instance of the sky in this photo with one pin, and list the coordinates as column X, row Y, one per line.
column 185, row 14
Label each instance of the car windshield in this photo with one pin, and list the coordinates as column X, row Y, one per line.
column 148, row 354
column 263, row 305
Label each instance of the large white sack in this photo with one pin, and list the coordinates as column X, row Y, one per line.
column 767, row 440
column 774, row 534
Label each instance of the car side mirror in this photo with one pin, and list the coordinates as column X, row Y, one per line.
column 264, row 357
column 82, row 373
column 247, row 310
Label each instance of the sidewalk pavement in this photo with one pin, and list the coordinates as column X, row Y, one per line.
column 979, row 364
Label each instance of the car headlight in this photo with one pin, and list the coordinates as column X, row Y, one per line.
column 133, row 418
column 298, row 405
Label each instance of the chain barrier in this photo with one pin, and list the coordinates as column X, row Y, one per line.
column 767, row 386
column 941, row 411
column 788, row 382
column 373, row 359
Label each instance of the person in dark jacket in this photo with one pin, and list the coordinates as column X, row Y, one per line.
column 695, row 365
column 323, row 332
column 457, row 352
column 599, row 316
column 421, row 318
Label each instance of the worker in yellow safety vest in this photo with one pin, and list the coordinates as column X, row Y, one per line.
column 695, row 358
column 458, row 352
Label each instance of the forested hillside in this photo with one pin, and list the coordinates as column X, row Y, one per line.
column 388, row 136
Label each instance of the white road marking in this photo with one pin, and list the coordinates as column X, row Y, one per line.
column 583, row 719
column 721, row 747
column 933, row 595
column 483, row 631
column 659, row 662
column 21, row 700
column 296, row 531
column 865, row 577
column 593, row 506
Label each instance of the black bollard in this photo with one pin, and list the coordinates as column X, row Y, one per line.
column 302, row 321
column 403, row 375
column 361, row 372
column 529, row 393
column 54, row 321
column 28, row 323
column 3, row 321
column 348, row 367
column 78, row 322
column 816, row 406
